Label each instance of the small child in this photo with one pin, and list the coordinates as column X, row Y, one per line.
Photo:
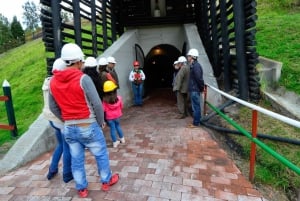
column 112, row 106
column 137, row 77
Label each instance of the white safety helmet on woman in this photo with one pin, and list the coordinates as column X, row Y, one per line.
column 193, row 53
column 90, row 62
column 102, row 61
column 59, row 65
column 111, row 60
column 71, row 53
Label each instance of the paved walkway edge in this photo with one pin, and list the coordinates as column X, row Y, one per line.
column 38, row 139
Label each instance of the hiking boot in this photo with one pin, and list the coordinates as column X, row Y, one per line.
column 83, row 193
column 114, row 179
column 122, row 140
column 50, row 174
column 116, row 143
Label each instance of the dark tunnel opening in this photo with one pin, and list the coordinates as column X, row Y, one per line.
column 158, row 67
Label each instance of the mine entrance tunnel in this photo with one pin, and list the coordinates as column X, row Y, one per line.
column 158, row 66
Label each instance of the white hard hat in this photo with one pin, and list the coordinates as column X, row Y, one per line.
column 59, row 65
column 193, row 52
column 90, row 62
column 102, row 61
column 175, row 62
column 71, row 53
column 181, row 59
column 111, row 60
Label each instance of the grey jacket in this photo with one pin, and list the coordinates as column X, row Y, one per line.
column 182, row 79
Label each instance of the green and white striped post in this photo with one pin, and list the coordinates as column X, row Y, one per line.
column 10, row 109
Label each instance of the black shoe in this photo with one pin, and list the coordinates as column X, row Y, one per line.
column 50, row 175
column 67, row 177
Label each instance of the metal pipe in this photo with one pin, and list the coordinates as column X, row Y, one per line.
column 259, row 135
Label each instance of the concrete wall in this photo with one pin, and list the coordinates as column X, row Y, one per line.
column 149, row 37
column 124, row 53
column 269, row 70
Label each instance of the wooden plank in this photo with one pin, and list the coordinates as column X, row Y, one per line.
column 7, row 127
column 3, row 98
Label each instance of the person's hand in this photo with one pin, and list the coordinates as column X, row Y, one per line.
column 103, row 125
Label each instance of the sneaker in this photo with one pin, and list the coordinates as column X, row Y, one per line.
column 83, row 193
column 50, row 174
column 122, row 140
column 114, row 179
column 116, row 143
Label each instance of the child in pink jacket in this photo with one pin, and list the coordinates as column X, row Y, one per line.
column 113, row 105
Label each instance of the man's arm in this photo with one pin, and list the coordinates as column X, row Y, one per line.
column 199, row 76
column 92, row 96
column 54, row 108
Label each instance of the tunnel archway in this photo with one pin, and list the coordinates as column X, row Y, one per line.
column 158, row 66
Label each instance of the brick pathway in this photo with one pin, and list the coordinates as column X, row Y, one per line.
column 162, row 160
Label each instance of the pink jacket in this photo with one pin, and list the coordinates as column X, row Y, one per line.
column 113, row 111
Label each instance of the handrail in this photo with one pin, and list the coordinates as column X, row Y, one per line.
column 253, row 138
column 260, row 109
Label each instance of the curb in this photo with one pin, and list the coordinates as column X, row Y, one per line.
column 38, row 139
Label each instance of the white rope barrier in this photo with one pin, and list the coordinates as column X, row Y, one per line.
column 260, row 109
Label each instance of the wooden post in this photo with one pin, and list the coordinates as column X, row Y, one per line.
column 10, row 109
column 205, row 99
column 253, row 145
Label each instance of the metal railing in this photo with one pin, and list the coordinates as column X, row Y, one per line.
column 7, row 98
column 252, row 136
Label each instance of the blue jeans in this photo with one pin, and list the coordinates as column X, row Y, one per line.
column 90, row 137
column 62, row 148
column 137, row 93
column 114, row 125
column 196, row 106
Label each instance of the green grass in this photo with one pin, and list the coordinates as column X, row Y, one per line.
column 25, row 69
column 278, row 38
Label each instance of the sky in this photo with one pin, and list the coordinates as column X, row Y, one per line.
column 11, row 8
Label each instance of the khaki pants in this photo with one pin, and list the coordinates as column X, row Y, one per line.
column 182, row 103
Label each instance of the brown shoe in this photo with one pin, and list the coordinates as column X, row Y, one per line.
column 192, row 126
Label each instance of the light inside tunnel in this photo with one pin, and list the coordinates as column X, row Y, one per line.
column 157, row 50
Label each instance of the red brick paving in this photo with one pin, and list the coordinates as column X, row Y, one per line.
column 162, row 160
